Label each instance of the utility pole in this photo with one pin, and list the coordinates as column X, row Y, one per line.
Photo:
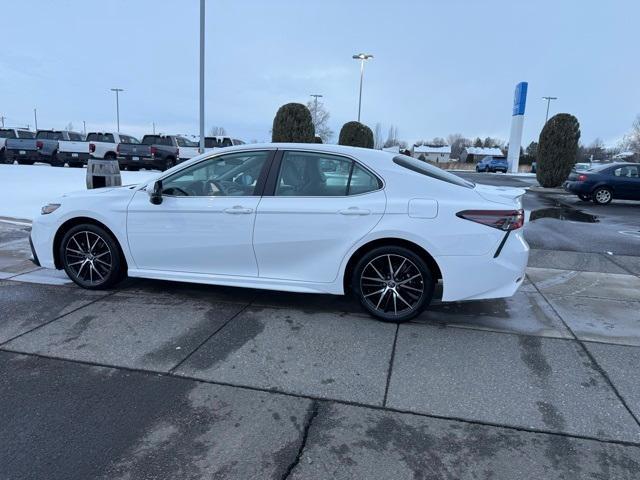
column 362, row 57
column 117, row 90
column 84, row 127
column 315, row 111
column 548, row 99
column 154, row 127
column 2, row 117
column 201, row 76
column 35, row 117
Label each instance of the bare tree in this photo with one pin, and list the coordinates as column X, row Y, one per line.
column 320, row 119
column 631, row 141
column 377, row 136
column 217, row 131
column 392, row 137
column 69, row 126
column 437, row 142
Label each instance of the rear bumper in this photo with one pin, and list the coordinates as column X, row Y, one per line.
column 577, row 187
column 142, row 162
column 28, row 155
column 471, row 277
column 75, row 158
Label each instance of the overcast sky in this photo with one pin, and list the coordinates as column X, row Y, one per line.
column 440, row 67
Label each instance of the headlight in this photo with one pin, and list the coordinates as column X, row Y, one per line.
column 49, row 208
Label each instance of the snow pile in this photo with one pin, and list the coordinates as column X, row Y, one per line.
column 26, row 188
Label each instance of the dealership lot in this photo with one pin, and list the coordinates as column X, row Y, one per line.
column 159, row 379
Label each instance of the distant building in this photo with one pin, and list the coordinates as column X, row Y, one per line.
column 474, row 154
column 432, row 154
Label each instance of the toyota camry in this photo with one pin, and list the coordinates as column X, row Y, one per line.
column 296, row 217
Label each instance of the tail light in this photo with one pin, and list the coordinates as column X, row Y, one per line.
column 153, row 150
column 92, row 147
column 582, row 177
column 39, row 145
column 505, row 220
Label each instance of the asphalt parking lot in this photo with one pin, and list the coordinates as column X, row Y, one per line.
column 166, row 380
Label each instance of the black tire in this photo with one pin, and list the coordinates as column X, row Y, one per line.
column 477, row 169
column 408, row 276
column 110, row 156
column 584, row 197
column 75, row 165
column 54, row 160
column 88, row 252
column 133, row 169
column 602, row 196
column 25, row 162
column 169, row 162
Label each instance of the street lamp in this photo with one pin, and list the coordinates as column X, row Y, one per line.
column 548, row 99
column 362, row 57
column 117, row 90
column 201, row 147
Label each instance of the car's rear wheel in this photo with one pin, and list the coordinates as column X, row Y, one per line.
column 584, row 197
column 393, row 283
column 602, row 196
column 91, row 257
column 169, row 163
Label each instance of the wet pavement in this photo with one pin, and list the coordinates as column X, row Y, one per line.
column 166, row 380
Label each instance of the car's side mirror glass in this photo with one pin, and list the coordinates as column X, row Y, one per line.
column 155, row 192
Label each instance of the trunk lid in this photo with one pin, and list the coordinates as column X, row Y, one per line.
column 502, row 195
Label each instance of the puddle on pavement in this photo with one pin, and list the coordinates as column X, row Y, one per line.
column 563, row 212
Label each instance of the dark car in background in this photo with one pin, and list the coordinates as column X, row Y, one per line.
column 492, row 164
column 603, row 183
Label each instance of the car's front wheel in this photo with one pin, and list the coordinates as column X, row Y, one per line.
column 91, row 257
column 393, row 283
column 602, row 196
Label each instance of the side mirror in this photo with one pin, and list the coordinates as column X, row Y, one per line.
column 155, row 193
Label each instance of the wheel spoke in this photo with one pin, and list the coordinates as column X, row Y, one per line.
column 371, row 279
column 95, row 243
column 410, row 288
column 399, row 270
column 381, row 297
column 405, row 302
column 376, row 270
column 391, row 273
column 96, row 270
column 409, row 279
column 79, row 246
column 376, row 292
column 395, row 304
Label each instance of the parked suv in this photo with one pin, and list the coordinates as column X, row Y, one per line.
column 492, row 164
column 104, row 145
column 155, row 151
column 8, row 135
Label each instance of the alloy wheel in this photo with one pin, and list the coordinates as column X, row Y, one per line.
column 603, row 196
column 88, row 257
column 392, row 284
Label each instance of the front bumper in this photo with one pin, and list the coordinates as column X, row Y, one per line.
column 471, row 277
column 34, row 255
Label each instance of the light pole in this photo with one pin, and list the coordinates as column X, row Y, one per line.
column 201, row 76
column 35, row 117
column 362, row 57
column 548, row 99
column 117, row 90
column 315, row 110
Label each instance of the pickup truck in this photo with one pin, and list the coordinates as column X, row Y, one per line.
column 7, row 134
column 58, row 147
column 104, row 145
column 155, row 151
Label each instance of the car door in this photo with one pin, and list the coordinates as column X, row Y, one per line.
column 626, row 182
column 205, row 222
column 315, row 207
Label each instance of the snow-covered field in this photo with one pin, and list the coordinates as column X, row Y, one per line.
column 26, row 188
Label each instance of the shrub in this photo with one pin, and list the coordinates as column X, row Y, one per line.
column 356, row 134
column 422, row 157
column 317, row 139
column 293, row 124
column 557, row 149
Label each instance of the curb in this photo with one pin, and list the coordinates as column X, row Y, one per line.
column 549, row 191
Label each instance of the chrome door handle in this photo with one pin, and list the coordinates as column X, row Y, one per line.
column 354, row 211
column 238, row 210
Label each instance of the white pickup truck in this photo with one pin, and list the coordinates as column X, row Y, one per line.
column 12, row 133
column 104, row 145
column 58, row 147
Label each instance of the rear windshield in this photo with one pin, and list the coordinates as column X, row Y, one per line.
column 48, row 135
column 429, row 170
column 6, row 133
column 128, row 139
column 156, row 140
column 75, row 137
column 100, row 137
column 183, row 142
column 26, row 134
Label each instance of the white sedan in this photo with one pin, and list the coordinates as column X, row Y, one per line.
column 299, row 218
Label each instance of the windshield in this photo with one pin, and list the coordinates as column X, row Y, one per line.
column 429, row 170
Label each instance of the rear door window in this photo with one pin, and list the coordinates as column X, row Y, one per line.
column 25, row 134
column 429, row 170
column 7, row 133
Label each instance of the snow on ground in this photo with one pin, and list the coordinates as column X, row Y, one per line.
column 26, row 188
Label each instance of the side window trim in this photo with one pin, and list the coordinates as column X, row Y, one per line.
column 274, row 174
